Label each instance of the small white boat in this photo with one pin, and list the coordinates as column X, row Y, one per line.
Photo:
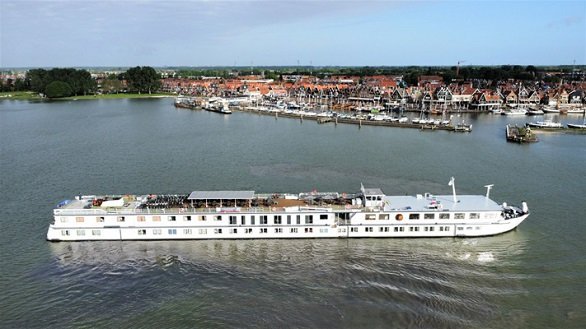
column 535, row 112
column 516, row 111
column 547, row 124
column 549, row 109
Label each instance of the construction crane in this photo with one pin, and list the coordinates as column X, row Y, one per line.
column 458, row 67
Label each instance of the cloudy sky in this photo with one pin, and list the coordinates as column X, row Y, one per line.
column 65, row 33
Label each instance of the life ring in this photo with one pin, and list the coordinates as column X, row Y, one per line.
column 399, row 217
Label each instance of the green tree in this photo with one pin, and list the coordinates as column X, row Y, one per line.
column 143, row 79
column 58, row 89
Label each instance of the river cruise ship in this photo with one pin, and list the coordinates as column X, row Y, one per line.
column 248, row 215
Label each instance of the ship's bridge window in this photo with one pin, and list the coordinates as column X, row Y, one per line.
column 459, row 215
column 323, row 216
column 428, row 216
column 278, row 220
column 474, row 215
column 252, row 220
column 242, row 220
column 264, row 220
column 288, row 219
column 444, row 216
column 233, row 220
column 370, row 216
column 413, row 216
column 308, row 219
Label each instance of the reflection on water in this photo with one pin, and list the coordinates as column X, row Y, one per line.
column 441, row 282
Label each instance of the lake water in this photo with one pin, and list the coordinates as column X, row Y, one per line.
column 533, row 277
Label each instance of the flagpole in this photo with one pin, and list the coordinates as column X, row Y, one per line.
column 453, row 185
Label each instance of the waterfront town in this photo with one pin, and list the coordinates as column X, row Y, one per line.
column 554, row 90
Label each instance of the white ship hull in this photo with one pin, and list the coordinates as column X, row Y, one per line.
column 367, row 217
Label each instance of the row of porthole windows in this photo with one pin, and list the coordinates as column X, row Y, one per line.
column 383, row 229
column 432, row 216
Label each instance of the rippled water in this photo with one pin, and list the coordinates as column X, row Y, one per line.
column 529, row 278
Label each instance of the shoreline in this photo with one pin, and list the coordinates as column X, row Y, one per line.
column 31, row 96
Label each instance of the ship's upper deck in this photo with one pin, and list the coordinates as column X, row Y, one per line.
column 242, row 201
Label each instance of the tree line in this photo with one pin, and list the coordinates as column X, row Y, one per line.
column 60, row 82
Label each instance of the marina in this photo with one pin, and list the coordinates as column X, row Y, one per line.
column 248, row 215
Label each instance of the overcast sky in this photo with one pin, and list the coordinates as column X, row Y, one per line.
column 72, row 33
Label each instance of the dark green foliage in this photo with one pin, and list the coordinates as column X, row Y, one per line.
column 79, row 81
column 143, row 79
column 58, row 89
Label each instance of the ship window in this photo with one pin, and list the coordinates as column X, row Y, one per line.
column 242, row 220
column 157, row 231
column 428, row 216
column 248, row 230
column 156, row 218
column 416, row 229
column 322, row 217
column 172, row 231
column 444, row 216
column 459, row 215
column 469, row 227
column 63, row 219
column 413, row 216
column 446, row 228
column 140, row 218
column 383, row 216
column 251, row 220
column 187, row 218
column 411, row 229
column 298, row 219
column 100, row 219
column 288, row 219
column 121, row 218
column 79, row 219
column 96, row 232
column 218, row 218
column 370, row 216
column 441, row 228
column 294, row 230
column 263, row 230
column 187, row 231
column 203, row 231
column 368, row 229
column 401, row 229
column 323, row 230
column 396, row 229
column 264, row 220
column 474, row 215
column 426, row 229
column 141, row 232
column 217, row 231
column 308, row 219
column 233, row 231
column 460, row 228
column 233, row 220
column 172, row 218
column 80, row 232
column 354, row 229
column 277, row 220
column 65, row 232
column 309, row 230
column 202, row 218
column 278, row 230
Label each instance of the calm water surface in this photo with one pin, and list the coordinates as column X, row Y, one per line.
column 534, row 277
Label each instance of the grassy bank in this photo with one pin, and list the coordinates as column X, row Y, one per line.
column 20, row 95
column 28, row 95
